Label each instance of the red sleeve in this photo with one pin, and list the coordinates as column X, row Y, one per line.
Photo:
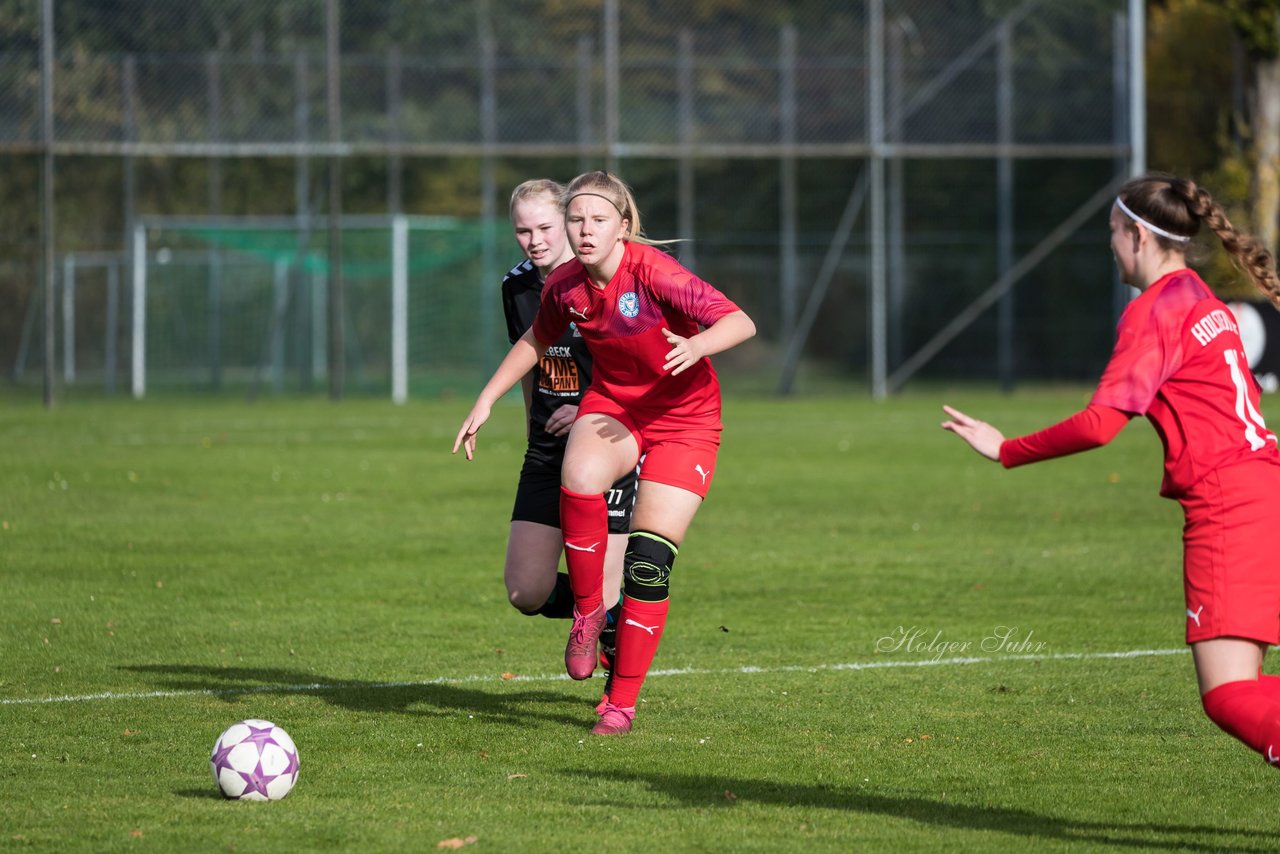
column 550, row 322
column 1092, row 427
column 1148, row 351
column 685, row 292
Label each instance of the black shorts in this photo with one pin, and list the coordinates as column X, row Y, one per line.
column 538, row 496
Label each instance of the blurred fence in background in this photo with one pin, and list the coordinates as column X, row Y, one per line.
column 862, row 177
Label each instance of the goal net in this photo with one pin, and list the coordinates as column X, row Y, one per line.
column 225, row 302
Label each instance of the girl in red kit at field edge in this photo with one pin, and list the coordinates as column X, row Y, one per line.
column 653, row 393
column 1178, row 359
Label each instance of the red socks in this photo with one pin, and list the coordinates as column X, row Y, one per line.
column 1270, row 686
column 1249, row 710
column 584, row 519
column 639, row 630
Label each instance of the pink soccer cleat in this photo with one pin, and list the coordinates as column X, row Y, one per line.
column 580, row 653
column 614, row 720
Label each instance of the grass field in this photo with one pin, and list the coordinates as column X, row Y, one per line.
column 170, row 567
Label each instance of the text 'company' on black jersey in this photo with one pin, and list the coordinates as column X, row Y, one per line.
column 564, row 372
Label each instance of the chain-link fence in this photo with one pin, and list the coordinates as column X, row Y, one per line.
column 856, row 175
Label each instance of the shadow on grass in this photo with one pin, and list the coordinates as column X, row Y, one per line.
column 210, row 793
column 704, row 792
column 408, row 698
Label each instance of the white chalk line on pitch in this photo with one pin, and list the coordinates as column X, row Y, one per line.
column 320, row 687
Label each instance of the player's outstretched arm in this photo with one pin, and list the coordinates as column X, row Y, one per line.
column 524, row 354
column 727, row 332
column 980, row 435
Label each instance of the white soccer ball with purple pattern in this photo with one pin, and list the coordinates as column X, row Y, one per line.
column 254, row 761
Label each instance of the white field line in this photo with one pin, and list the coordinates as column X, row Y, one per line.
column 320, row 687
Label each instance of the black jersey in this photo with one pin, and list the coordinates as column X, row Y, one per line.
column 564, row 372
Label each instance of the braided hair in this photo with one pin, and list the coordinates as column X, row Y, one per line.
column 1180, row 207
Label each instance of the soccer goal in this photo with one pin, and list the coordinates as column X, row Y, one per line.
column 218, row 301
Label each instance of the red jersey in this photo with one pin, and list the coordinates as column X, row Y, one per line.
column 623, row 322
column 1178, row 360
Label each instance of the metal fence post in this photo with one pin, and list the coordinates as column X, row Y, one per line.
column 1004, row 205
column 685, row 175
column 488, row 179
column 113, row 327
column 213, row 64
column 395, row 118
column 612, row 82
column 138, row 258
column 130, row 135
column 302, row 212
column 896, row 205
column 48, row 233
column 582, row 100
column 280, row 305
column 69, row 318
column 337, row 286
column 1120, row 292
column 399, row 308
column 875, row 134
column 1137, row 87
column 788, row 262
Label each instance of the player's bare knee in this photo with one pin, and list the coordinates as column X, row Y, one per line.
column 523, row 602
column 592, row 474
column 586, row 479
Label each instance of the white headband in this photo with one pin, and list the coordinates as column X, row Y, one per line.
column 1181, row 238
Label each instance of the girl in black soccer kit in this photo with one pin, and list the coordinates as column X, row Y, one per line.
column 552, row 391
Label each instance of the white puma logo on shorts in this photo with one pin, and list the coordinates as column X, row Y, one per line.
column 705, row 474
column 1195, row 615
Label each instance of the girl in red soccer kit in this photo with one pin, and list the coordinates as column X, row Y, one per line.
column 552, row 392
column 1178, row 359
column 653, row 394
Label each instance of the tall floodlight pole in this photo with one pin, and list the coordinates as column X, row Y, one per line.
column 337, row 288
column 46, row 195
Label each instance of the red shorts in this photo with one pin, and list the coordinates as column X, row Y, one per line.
column 1231, row 554
column 676, row 450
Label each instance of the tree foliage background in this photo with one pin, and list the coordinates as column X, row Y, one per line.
column 1214, row 111
column 1205, row 63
